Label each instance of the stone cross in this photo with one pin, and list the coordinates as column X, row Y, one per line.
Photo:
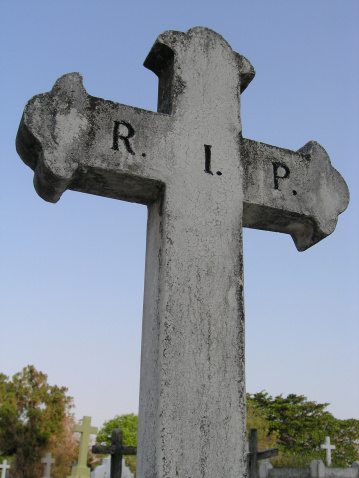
column 81, row 470
column 254, row 455
column 202, row 182
column 117, row 450
column 48, row 461
column 328, row 448
column 4, row 466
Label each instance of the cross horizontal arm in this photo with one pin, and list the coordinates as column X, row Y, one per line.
column 103, row 449
column 129, row 450
column 112, row 449
column 262, row 455
column 298, row 193
column 75, row 141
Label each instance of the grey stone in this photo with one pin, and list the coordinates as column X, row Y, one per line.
column 202, row 183
column 341, row 472
column 317, row 469
column 289, row 473
column 264, row 468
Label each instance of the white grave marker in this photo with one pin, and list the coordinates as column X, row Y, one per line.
column 4, row 467
column 202, row 182
column 48, row 461
column 328, row 448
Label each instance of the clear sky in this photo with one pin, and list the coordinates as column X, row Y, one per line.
column 72, row 273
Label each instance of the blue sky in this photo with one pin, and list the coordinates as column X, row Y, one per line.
column 72, row 273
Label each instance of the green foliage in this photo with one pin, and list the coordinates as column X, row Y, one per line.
column 286, row 460
column 300, row 427
column 256, row 418
column 129, row 425
column 32, row 412
column 344, row 434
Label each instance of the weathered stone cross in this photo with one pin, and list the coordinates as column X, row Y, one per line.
column 328, row 449
column 81, row 470
column 48, row 461
column 116, row 450
column 202, row 182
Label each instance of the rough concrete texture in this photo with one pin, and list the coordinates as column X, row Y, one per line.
column 190, row 165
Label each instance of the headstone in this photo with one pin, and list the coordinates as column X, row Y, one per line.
column 81, row 470
column 48, row 461
column 254, row 455
column 317, row 469
column 4, row 467
column 202, row 182
column 117, row 450
column 328, row 448
column 264, row 468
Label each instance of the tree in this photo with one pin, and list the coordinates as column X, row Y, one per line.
column 301, row 427
column 129, row 424
column 32, row 413
column 64, row 448
column 344, row 434
column 256, row 418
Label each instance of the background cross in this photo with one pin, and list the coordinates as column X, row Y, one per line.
column 4, row 467
column 48, row 461
column 117, row 450
column 81, row 469
column 328, row 448
column 254, row 455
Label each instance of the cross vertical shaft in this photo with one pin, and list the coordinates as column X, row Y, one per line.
column 116, row 458
column 191, row 396
column 253, row 454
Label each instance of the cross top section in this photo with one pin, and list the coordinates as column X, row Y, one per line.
column 74, row 141
column 198, row 66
